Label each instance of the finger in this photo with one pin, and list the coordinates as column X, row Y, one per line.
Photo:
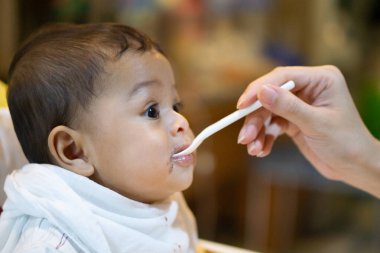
column 302, row 76
column 272, row 132
column 250, row 130
column 255, row 147
column 252, row 126
column 285, row 104
column 277, row 76
column 268, row 145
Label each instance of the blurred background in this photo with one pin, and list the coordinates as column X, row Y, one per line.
column 274, row 204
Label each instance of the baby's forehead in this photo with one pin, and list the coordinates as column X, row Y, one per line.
column 115, row 65
column 135, row 67
column 135, row 73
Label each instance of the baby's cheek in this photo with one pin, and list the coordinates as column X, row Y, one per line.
column 191, row 133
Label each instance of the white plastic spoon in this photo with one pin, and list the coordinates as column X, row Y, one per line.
column 226, row 121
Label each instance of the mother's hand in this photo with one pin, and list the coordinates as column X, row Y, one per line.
column 320, row 117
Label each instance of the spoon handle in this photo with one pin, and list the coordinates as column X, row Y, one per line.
column 226, row 121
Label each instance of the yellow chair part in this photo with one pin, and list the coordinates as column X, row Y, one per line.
column 3, row 95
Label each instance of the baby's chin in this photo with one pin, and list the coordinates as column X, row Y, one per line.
column 188, row 184
column 184, row 177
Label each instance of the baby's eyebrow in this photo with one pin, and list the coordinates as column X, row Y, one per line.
column 142, row 85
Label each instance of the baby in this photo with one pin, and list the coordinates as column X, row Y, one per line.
column 96, row 111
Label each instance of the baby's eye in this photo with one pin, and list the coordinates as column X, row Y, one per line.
column 178, row 106
column 152, row 112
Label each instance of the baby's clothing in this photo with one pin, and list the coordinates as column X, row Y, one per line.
column 50, row 209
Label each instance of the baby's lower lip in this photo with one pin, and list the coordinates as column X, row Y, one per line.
column 184, row 160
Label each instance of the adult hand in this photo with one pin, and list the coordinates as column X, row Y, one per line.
column 320, row 117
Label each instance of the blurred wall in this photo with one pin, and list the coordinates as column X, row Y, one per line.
column 9, row 32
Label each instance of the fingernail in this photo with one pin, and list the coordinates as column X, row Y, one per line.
column 268, row 95
column 242, row 135
column 252, row 148
column 246, row 133
column 261, row 154
column 240, row 102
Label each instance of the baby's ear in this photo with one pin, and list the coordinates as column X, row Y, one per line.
column 66, row 148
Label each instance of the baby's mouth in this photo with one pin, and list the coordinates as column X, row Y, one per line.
column 179, row 149
column 183, row 160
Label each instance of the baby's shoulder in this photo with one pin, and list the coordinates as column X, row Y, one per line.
column 39, row 235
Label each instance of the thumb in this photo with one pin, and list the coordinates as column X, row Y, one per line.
column 286, row 104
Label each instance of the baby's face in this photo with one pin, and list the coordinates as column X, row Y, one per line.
column 132, row 129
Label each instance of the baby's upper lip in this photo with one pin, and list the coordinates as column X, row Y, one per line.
column 180, row 148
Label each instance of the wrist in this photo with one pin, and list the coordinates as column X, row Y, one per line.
column 365, row 168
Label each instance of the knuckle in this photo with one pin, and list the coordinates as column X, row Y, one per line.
column 278, row 69
column 332, row 68
column 334, row 72
column 330, row 174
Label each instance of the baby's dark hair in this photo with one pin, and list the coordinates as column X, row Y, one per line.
column 54, row 74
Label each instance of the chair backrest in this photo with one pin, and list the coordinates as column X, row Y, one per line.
column 11, row 155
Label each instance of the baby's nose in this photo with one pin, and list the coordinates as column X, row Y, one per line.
column 181, row 125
